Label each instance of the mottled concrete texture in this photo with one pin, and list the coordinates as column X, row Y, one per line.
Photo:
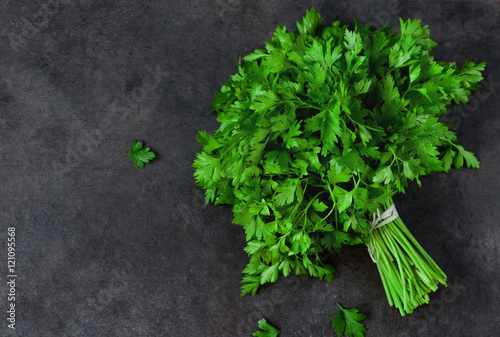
column 106, row 249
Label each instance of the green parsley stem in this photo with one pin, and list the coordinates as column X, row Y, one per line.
column 407, row 272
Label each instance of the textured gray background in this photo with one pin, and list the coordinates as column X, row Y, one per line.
column 106, row 249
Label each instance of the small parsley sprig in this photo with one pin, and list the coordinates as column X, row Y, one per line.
column 268, row 330
column 139, row 155
column 348, row 321
column 318, row 131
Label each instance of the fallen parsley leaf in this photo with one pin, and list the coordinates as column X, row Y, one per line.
column 140, row 157
column 269, row 330
column 348, row 321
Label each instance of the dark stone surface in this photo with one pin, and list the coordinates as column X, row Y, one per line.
column 106, row 249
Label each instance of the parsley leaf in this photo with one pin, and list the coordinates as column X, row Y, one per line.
column 207, row 141
column 348, row 321
column 208, row 169
column 269, row 330
column 311, row 23
column 469, row 157
column 139, row 155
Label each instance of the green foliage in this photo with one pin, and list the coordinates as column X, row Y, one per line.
column 348, row 321
column 139, row 155
column 319, row 129
column 269, row 330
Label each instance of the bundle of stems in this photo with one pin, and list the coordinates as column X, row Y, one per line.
column 408, row 273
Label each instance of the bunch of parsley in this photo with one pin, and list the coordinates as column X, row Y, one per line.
column 318, row 131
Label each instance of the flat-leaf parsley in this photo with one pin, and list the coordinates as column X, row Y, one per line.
column 268, row 330
column 318, row 131
column 348, row 321
column 139, row 155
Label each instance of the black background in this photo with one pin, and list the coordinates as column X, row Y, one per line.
column 106, row 249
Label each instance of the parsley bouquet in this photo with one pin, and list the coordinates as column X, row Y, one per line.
column 318, row 131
